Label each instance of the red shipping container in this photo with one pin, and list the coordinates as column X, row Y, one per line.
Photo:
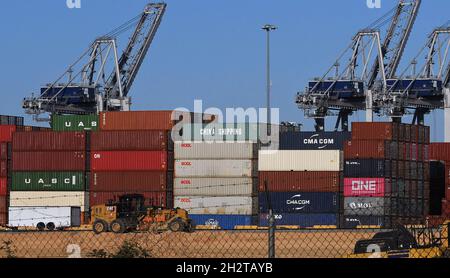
column 3, row 218
column 6, row 132
column 366, row 149
column 129, row 161
column 414, row 133
column 414, row 151
column 158, row 199
column 364, row 187
column 407, row 137
column 3, row 204
column 48, row 161
column 129, row 140
column 134, row 181
column 300, row 181
column 375, row 131
column 49, row 141
column 3, row 187
column 3, row 151
column 147, row 120
column 3, row 168
column 439, row 151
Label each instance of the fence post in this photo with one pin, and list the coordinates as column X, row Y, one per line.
column 271, row 223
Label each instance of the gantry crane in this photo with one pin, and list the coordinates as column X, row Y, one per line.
column 425, row 90
column 100, row 80
column 352, row 89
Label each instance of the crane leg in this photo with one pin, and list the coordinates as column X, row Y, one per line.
column 320, row 124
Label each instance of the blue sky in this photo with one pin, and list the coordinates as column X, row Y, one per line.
column 205, row 49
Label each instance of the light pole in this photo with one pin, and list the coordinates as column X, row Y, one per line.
column 268, row 28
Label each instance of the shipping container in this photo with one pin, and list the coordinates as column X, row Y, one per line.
column 48, row 161
column 48, row 181
column 368, row 149
column 129, row 161
column 299, row 202
column 3, row 187
column 146, row 140
column 3, row 218
column 322, row 160
column 215, row 150
column 49, row 199
column 217, row 205
column 367, row 168
column 355, row 221
column 75, row 122
column 131, row 181
column 306, row 181
column 215, row 168
column 224, row 132
column 149, row 120
column 157, row 199
column 3, row 168
column 11, row 120
column 366, row 206
column 364, row 187
column 439, row 151
column 3, row 204
column 3, row 150
column 48, row 141
column 215, row 187
column 61, row 217
column 6, row 132
column 313, row 140
column 298, row 219
column 224, row 222
column 375, row 131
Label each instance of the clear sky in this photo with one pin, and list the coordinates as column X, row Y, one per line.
column 212, row 50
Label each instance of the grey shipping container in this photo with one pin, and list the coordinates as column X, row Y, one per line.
column 313, row 140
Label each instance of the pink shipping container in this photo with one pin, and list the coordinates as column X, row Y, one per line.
column 6, row 132
column 48, row 161
column 129, row 161
column 129, row 140
column 364, row 187
column 3, row 187
column 49, row 141
column 159, row 199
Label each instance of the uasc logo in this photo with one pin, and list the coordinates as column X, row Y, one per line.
column 298, row 202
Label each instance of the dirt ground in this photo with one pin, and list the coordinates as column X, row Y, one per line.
column 200, row 244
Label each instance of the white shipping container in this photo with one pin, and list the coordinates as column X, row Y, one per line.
column 49, row 199
column 215, row 150
column 304, row 160
column 215, row 168
column 215, row 187
column 61, row 217
column 217, row 205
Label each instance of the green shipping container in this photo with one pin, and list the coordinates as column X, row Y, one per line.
column 48, row 181
column 75, row 122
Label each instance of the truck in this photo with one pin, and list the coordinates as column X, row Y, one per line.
column 42, row 218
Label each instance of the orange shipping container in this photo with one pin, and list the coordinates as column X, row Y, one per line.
column 375, row 131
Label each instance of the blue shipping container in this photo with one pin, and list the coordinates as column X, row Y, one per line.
column 313, row 140
column 226, row 222
column 352, row 221
column 300, row 202
column 299, row 219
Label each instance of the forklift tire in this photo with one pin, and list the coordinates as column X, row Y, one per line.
column 100, row 226
column 189, row 228
column 118, row 226
column 176, row 225
column 40, row 226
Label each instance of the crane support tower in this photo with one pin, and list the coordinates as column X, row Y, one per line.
column 100, row 80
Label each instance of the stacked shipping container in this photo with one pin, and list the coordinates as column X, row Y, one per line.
column 216, row 182
column 302, row 180
column 440, row 184
column 386, row 178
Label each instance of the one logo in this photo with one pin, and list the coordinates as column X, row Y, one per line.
column 315, row 140
column 374, row 4
column 367, row 186
column 73, row 4
column 298, row 202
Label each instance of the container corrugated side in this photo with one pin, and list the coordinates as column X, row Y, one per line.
column 129, row 161
column 366, row 206
column 133, row 181
column 48, row 181
column 49, row 141
column 3, row 168
column 3, row 204
column 353, row 221
column 367, row 168
column 48, row 161
column 215, row 168
column 305, row 160
column 214, row 150
column 375, row 131
column 158, row 199
column 49, row 199
column 215, row 187
column 439, row 151
column 147, row 140
column 313, row 140
column 300, row 202
column 368, row 149
column 300, row 219
column 3, row 150
column 364, row 187
column 224, row 222
column 3, row 186
column 6, row 132
column 306, row 181
column 217, row 205
column 75, row 122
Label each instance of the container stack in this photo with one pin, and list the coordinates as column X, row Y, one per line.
column 386, row 174
column 440, row 183
column 216, row 181
column 302, row 180
column 49, row 170
column 8, row 125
